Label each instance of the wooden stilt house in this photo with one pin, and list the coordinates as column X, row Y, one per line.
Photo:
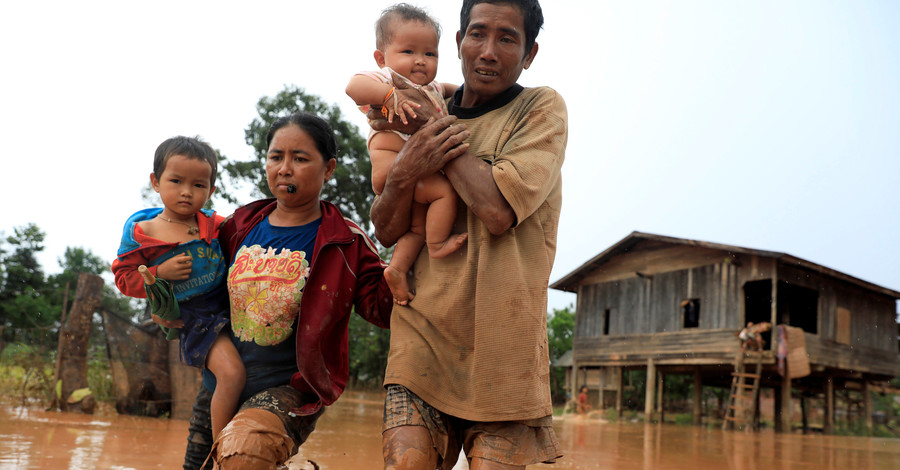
column 673, row 306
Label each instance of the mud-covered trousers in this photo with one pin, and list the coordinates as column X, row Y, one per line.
column 263, row 434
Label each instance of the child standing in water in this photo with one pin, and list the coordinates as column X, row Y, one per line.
column 583, row 406
column 178, row 243
column 406, row 41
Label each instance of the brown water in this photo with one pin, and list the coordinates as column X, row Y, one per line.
column 348, row 437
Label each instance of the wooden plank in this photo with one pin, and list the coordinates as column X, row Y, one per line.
column 685, row 342
column 653, row 261
column 797, row 357
column 857, row 358
column 698, row 398
column 650, row 390
column 842, row 325
column 783, row 403
column 620, row 381
column 867, row 407
column 829, row 406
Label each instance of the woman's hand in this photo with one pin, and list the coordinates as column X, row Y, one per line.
column 166, row 323
column 176, row 268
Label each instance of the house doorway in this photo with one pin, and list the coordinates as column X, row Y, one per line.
column 758, row 305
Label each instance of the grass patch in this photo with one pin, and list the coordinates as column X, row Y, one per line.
column 27, row 376
column 610, row 415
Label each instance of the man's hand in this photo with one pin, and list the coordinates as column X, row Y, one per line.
column 176, row 268
column 414, row 120
column 429, row 149
column 425, row 153
column 399, row 104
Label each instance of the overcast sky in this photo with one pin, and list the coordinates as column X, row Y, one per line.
column 765, row 124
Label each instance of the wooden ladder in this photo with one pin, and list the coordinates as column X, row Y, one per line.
column 743, row 398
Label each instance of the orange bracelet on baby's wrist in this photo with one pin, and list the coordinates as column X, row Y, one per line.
column 384, row 109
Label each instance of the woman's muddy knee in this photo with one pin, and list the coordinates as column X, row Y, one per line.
column 254, row 439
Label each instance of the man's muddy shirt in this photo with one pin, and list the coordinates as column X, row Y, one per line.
column 473, row 341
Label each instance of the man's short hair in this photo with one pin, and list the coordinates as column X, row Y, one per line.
column 531, row 10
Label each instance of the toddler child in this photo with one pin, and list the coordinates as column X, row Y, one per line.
column 178, row 243
column 406, row 41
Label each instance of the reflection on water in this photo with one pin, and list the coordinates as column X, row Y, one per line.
column 638, row 446
column 349, row 436
column 33, row 439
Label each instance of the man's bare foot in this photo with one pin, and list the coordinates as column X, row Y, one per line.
column 444, row 248
column 397, row 283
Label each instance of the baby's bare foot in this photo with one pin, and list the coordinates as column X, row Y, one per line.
column 397, row 283
column 444, row 248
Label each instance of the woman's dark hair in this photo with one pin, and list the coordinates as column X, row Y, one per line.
column 531, row 10
column 317, row 128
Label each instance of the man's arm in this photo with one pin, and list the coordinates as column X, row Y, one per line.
column 471, row 177
column 518, row 179
column 426, row 152
column 473, row 180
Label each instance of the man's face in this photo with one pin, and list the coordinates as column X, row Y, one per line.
column 492, row 51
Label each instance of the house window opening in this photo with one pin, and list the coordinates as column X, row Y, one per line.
column 798, row 306
column 690, row 313
column 606, row 322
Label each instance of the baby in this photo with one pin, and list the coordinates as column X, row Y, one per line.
column 406, row 41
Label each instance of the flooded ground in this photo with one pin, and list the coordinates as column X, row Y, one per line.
column 348, row 437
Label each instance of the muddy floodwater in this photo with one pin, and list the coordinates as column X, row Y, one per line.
column 348, row 437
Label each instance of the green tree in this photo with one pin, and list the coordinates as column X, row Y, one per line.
column 560, row 328
column 24, row 302
column 22, row 268
column 77, row 260
column 350, row 188
column 31, row 304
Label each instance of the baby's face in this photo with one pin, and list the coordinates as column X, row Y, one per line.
column 413, row 51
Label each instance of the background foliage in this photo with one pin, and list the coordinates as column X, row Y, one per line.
column 350, row 188
column 560, row 328
column 31, row 303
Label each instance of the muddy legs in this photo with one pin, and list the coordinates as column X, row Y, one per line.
column 409, row 448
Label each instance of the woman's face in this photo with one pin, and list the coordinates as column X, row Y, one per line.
column 295, row 170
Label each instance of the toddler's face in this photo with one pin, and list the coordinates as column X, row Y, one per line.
column 184, row 185
column 413, row 51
